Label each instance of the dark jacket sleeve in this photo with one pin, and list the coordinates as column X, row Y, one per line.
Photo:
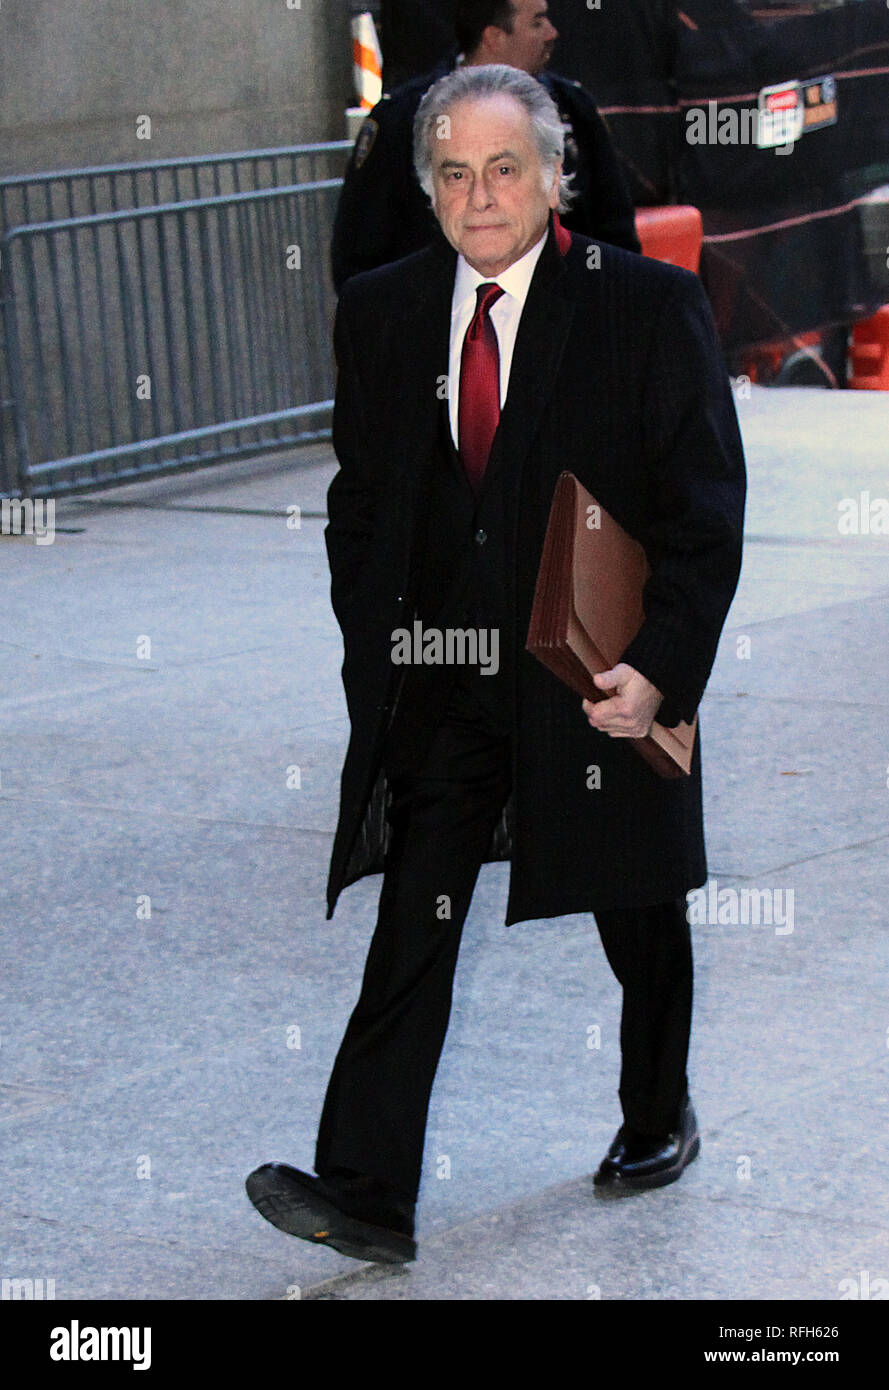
column 696, row 460
column 368, row 207
column 382, row 213
column 603, row 208
column 351, row 495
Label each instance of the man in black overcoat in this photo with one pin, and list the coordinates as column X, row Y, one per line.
column 471, row 374
column 382, row 213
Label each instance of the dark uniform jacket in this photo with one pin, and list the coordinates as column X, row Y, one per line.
column 617, row 375
column 383, row 214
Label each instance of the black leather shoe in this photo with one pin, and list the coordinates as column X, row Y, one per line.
column 357, row 1216
column 637, row 1161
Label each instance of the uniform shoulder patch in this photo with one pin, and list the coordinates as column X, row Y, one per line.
column 365, row 142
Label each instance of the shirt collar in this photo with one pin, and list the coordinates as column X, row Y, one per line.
column 515, row 280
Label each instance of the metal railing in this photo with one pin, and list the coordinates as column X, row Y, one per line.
column 54, row 194
column 167, row 336
column 170, row 335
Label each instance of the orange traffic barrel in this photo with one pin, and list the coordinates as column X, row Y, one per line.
column 869, row 353
column 673, row 233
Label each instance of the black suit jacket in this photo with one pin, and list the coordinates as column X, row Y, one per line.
column 617, row 375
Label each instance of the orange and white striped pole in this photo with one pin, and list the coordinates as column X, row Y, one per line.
column 367, row 61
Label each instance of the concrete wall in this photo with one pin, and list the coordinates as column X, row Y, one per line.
column 212, row 75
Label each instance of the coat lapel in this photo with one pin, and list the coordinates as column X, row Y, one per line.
column 426, row 333
column 540, row 343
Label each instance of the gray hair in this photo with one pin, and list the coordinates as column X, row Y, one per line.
column 488, row 80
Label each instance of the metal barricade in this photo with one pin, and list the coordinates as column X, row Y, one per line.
column 169, row 336
column 62, row 193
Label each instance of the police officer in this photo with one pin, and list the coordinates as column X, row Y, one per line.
column 383, row 213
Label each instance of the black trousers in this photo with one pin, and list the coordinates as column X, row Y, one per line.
column 444, row 810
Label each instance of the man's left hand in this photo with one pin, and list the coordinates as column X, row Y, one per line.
column 633, row 702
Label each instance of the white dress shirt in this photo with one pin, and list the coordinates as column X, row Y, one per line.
column 504, row 315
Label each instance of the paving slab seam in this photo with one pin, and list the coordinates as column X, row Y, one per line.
column 128, row 664
column 796, row 1088
column 443, row 1234
column 185, row 665
column 167, row 1242
column 212, row 509
column 214, row 476
column 793, row 617
column 86, row 1086
column 269, row 731
column 821, row 854
column 120, row 687
column 115, row 808
column 142, row 664
column 840, row 1223
column 373, row 1273
column 726, row 696
column 842, row 544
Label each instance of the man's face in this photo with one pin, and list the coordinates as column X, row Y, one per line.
column 532, row 40
column 488, row 183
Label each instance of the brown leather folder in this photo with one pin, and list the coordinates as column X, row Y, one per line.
column 588, row 608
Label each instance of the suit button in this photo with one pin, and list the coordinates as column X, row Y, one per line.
column 481, row 536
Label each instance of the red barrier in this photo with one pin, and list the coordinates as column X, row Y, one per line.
column 673, row 233
column 869, row 353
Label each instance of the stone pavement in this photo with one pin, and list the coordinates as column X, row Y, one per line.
column 174, row 997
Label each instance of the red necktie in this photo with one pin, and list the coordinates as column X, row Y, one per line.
column 479, row 409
